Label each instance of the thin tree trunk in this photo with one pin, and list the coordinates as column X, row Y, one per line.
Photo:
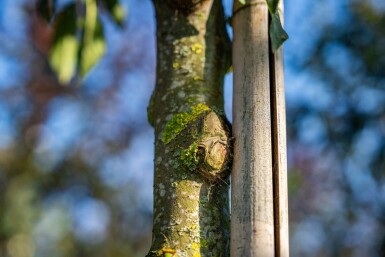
column 259, row 223
column 192, row 141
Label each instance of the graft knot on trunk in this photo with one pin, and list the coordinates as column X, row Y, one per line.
column 213, row 152
column 202, row 143
column 214, row 148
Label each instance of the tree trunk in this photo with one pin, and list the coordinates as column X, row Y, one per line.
column 192, row 140
column 259, row 222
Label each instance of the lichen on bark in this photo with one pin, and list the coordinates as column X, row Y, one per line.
column 179, row 121
column 192, row 138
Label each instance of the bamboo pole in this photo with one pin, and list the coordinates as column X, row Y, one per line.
column 259, row 222
column 252, row 221
column 281, row 217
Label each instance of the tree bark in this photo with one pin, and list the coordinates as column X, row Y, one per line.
column 192, row 138
column 259, row 222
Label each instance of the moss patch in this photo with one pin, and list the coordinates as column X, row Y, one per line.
column 189, row 156
column 179, row 122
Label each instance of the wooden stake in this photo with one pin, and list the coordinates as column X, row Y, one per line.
column 259, row 219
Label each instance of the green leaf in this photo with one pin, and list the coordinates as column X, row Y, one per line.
column 63, row 52
column 115, row 9
column 242, row 1
column 78, row 41
column 272, row 4
column 277, row 34
column 46, row 9
column 93, row 42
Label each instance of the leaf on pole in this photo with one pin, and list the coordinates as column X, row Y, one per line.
column 272, row 4
column 92, row 45
column 277, row 34
column 63, row 52
column 115, row 9
column 46, row 9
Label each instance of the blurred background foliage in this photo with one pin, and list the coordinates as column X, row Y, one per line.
column 76, row 160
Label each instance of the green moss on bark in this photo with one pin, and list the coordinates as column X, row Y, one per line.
column 189, row 156
column 179, row 122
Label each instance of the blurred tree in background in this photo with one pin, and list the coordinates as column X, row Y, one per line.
column 76, row 161
column 336, row 129
column 65, row 150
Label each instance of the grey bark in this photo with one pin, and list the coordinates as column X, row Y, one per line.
column 192, row 140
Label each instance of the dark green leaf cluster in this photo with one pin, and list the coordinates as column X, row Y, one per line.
column 78, row 40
